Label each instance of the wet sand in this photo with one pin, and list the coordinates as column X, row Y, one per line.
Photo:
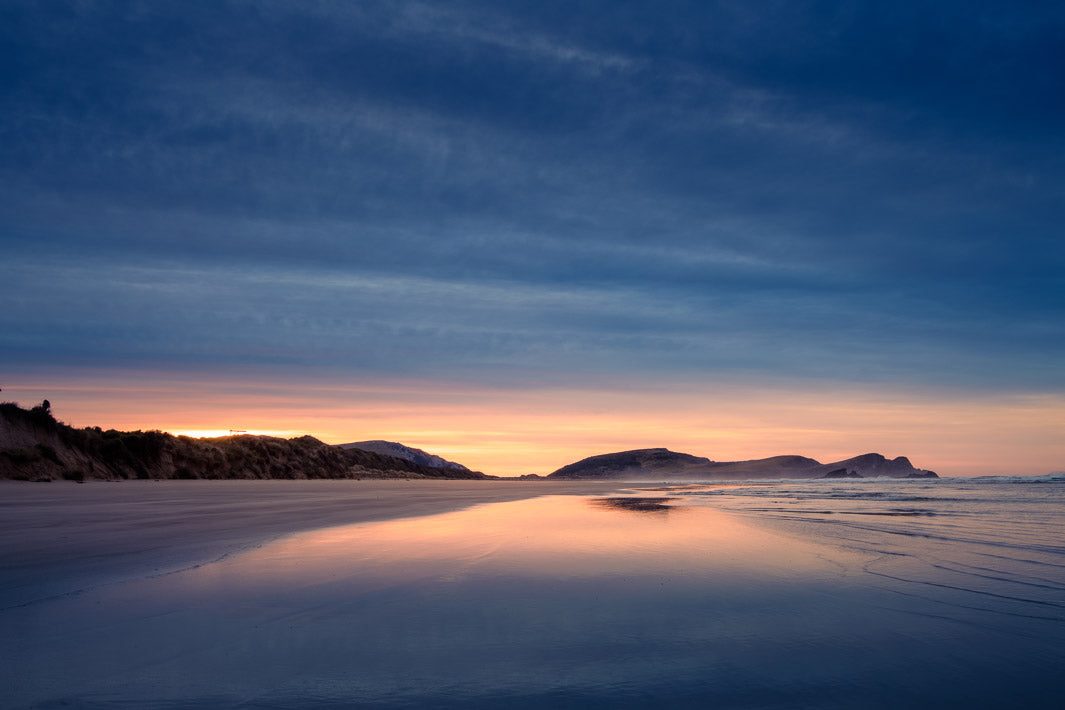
column 62, row 538
column 481, row 595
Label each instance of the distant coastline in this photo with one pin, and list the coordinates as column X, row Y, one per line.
column 34, row 446
column 663, row 464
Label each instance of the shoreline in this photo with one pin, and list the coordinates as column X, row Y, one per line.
column 553, row 595
column 60, row 539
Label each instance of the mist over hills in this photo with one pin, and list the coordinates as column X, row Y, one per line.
column 663, row 464
column 407, row 453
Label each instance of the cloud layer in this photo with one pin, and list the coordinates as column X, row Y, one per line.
column 533, row 192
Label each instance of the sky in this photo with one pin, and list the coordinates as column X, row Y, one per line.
column 518, row 234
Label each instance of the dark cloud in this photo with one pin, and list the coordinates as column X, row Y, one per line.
column 688, row 189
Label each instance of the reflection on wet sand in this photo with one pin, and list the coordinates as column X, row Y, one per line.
column 552, row 536
column 635, row 504
column 551, row 602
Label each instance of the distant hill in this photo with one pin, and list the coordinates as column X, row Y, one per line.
column 35, row 447
column 663, row 464
column 407, row 453
column 633, row 464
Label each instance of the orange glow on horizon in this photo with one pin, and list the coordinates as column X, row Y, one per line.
column 216, row 433
column 514, row 431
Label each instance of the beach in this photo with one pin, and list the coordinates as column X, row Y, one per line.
column 492, row 594
column 61, row 538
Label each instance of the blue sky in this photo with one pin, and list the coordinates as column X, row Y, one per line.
column 537, row 192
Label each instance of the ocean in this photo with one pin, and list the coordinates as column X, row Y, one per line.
column 945, row 593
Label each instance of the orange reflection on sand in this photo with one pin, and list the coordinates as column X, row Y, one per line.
column 549, row 537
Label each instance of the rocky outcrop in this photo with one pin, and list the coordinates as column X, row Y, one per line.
column 873, row 465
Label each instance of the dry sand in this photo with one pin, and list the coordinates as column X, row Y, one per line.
column 62, row 538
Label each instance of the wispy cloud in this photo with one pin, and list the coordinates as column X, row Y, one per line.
column 403, row 188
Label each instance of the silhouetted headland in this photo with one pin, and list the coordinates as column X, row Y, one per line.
column 666, row 465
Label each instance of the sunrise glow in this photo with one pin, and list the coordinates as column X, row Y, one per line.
column 518, row 431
